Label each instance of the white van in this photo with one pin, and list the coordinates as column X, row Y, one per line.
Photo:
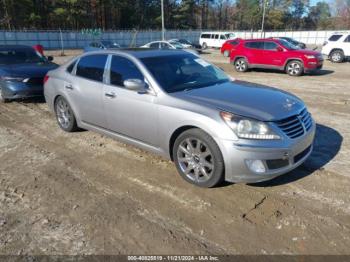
column 215, row 39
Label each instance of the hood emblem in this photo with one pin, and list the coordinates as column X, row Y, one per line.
column 289, row 104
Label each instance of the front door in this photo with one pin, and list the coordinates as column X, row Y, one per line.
column 273, row 54
column 128, row 112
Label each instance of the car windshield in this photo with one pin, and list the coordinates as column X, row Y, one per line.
column 184, row 41
column 183, row 72
column 288, row 45
column 109, row 44
column 20, row 55
column 176, row 44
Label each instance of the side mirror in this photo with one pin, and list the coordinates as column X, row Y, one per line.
column 50, row 58
column 136, row 85
column 279, row 49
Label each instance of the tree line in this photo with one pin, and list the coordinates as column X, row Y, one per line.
column 179, row 14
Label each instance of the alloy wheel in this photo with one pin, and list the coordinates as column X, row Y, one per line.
column 64, row 114
column 195, row 159
column 240, row 65
column 336, row 57
column 294, row 68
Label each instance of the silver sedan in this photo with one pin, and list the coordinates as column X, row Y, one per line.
column 176, row 104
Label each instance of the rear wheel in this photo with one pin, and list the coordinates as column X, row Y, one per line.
column 65, row 116
column 226, row 53
column 198, row 158
column 241, row 65
column 295, row 68
column 337, row 56
column 204, row 45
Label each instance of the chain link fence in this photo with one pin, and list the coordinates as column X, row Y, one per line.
column 130, row 38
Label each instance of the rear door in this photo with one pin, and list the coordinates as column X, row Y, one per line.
column 85, row 90
column 254, row 52
column 127, row 112
column 346, row 46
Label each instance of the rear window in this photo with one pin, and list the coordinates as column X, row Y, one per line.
column 205, row 36
column 92, row 67
column 335, row 38
column 255, row 45
column 71, row 66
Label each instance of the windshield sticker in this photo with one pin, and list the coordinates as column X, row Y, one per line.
column 202, row 62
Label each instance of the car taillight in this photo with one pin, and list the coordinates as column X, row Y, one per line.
column 45, row 79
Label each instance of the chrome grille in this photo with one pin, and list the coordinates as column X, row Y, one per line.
column 297, row 125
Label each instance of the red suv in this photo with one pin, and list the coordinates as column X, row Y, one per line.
column 274, row 54
column 228, row 46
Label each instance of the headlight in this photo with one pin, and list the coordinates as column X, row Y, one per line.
column 248, row 128
column 13, row 79
column 310, row 56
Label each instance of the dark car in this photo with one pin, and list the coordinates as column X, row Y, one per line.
column 294, row 42
column 22, row 72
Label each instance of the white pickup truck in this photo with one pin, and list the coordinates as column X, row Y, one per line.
column 337, row 47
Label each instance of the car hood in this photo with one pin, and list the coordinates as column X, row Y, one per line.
column 27, row 69
column 246, row 99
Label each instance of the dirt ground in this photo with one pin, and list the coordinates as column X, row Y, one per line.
column 84, row 193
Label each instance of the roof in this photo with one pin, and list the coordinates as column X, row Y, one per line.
column 12, row 47
column 149, row 52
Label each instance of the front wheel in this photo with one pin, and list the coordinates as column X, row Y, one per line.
column 198, row 158
column 337, row 56
column 295, row 68
column 65, row 116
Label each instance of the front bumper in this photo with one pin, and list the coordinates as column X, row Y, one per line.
column 16, row 90
column 293, row 152
column 313, row 66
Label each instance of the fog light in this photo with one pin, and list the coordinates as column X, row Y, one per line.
column 256, row 166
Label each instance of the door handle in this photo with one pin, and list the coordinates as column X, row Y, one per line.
column 110, row 95
column 69, row 86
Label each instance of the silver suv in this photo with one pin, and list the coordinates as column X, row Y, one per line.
column 176, row 104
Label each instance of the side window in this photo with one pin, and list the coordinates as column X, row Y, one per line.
column 71, row 66
column 164, row 46
column 334, row 38
column 222, row 37
column 92, row 67
column 234, row 43
column 205, row 36
column 347, row 40
column 154, row 45
column 216, row 36
column 270, row 46
column 122, row 69
column 254, row 45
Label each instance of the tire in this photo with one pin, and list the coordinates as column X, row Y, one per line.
column 204, row 45
column 295, row 68
column 2, row 99
column 65, row 116
column 337, row 56
column 226, row 53
column 241, row 65
column 198, row 158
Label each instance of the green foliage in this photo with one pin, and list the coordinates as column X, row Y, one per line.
column 179, row 14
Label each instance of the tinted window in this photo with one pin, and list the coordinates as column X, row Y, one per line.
column 216, row 36
column 233, row 42
column 347, row 39
column 270, row 46
column 222, row 37
column 71, row 66
column 20, row 55
column 164, row 46
column 205, row 36
column 122, row 69
column 335, row 37
column 256, row 45
column 92, row 67
column 154, row 45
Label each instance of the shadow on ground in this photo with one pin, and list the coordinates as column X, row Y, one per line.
column 326, row 146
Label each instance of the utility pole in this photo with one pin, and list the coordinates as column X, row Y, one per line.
column 263, row 19
column 163, row 29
